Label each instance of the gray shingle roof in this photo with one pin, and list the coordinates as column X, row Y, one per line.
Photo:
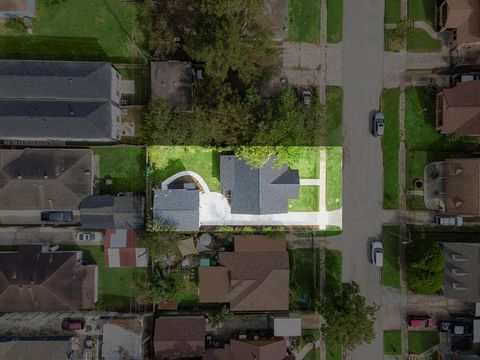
column 178, row 207
column 18, row 8
column 258, row 191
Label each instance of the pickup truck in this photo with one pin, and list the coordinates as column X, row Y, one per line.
column 443, row 220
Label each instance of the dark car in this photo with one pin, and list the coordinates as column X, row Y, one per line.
column 423, row 322
column 57, row 216
column 455, row 328
column 73, row 324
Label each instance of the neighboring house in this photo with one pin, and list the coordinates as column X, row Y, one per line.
column 172, row 82
column 462, row 267
column 123, row 339
column 255, row 277
column 462, row 189
column 179, row 337
column 17, row 349
column 258, row 191
column 17, row 8
column 462, row 17
column 122, row 249
column 112, row 212
column 59, row 101
column 251, row 350
column 33, row 181
column 178, row 208
column 32, row 279
column 458, row 109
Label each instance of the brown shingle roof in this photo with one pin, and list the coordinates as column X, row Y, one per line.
column 464, row 16
column 214, row 284
column 32, row 280
column 13, row 5
column 462, row 187
column 250, row 350
column 179, row 336
column 254, row 243
column 461, row 109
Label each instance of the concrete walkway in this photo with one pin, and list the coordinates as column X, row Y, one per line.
column 310, row 182
column 428, row 28
column 322, row 190
column 307, row 348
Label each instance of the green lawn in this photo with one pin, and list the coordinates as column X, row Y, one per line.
column 125, row 165
column 393, row 12
column 334, row 351
column 418, row 40
column 391, row 267
column 309, row 336
column 420, row 133
column 187, row 296
column 423, row 10
column 333, row 279
column 308, row 164
column 141, row 76
column 334, row 110
column 421, row 341
column 307, row 199
column 334, row 177
column 304, row 21
column 115, row 285
column 334, row 21
column 390, row 105
column 392, row 342
column 77, row 30
column 303, row 284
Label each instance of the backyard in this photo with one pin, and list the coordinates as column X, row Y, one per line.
column 304, row 21
column 76, row 30
column 390, row 104
column 392, row 11
column 422, row 10
column 141, row 76
column 124, row 165
column 304, row 277
column 421, row 341
column 391, row 266
column 334, row 111
column 392, row 342
column 187, row 295
column 418, row 40
column 307, row 199
column 334, row 21
column 334, row 177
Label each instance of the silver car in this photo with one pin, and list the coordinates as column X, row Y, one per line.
column 377, row 253
column 378, row 124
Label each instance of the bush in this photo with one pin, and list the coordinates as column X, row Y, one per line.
column 425, row 263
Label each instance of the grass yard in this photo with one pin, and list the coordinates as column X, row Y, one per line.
column 304, row 280
column 334, row 351
column 169, row 160
column 390, row 104
column 115, row 285
column 77, row 30
column 308, row 164
column 334, row 21
column 307, row 200
column 334, row 111
column 313, row 354
column 393, row 13
column 392, row 342
column 304, row 21
column 334, row 177
column 391, row 266
column 422, row 10
column 187, row 296
column 141, row 76
column 420, row 133
column 421, row 341
column 124, row 165
column 418, row 40
column 333, row 269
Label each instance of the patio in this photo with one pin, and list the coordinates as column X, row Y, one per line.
column 434, row 186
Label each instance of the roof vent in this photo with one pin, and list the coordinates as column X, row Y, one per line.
column 87, row 172
column 14, row 276
column 458, row 271
column 458, row 170
column 19, row 176
column 72, row 113
column 45, row 176
column 458, row 202
column 32, row 280
column 459, row 286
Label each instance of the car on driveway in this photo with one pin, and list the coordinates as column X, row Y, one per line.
column 73, row 323
column 443, row 220
column 377, row 253
column 89, row 236
column 455, row 328
column 378, row 124
column 420, row 322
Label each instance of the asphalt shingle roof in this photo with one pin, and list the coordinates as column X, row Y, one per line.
column 178, row 207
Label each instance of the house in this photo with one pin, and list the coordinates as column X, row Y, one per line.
column 122, row 249
column 251, row 350
column 179, row 337
column 172, row 82
column 123, row 338
column 59, row 101
column 177, row 207
column 17, row 8
column 33, row 181
column 255, row 277
column 458, row 109
column 258, row 191
column 462, row 17
column 112, row 212
column 462, row 270
column 462, row 187
column 19, row 349
column 33, row 279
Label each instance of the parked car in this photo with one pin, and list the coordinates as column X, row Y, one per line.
column 57, row 216
column 306, row 97
column 455, row 328
column 423, row 322
column 444, row 220
column 88, row 236
column 378, row 124
column 73, row 323
column 467, row 77
column 377, row 253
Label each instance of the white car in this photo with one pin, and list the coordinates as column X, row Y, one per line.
column 378, row 124
column 377, row 253
column 89, row 236
column 449, row 220
column 306, row 97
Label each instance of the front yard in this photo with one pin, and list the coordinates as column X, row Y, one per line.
column 307, row 199
column 334, row 21
column 392, row 342
column 76, row 30
column 304, row 277
column 418, row 40
column 334, row 178
column 391, row 266
column 422, row 10
column 421, row 341
column 334, row 113
column 308, row 164
column 392, row 11
column 304, row 21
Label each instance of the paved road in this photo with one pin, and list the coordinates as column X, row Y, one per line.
column 363, row 214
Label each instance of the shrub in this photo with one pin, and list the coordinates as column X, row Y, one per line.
column 425, row 263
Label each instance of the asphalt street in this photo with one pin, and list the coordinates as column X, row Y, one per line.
column 363, row 213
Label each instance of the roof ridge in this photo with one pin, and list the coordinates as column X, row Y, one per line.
column 46, row 287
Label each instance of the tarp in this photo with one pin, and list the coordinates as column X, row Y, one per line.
column 187, row 247
column 287, row 327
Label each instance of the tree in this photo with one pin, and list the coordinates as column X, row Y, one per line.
column 160, row 239
column 219, row 317
column 349, row 320
column 425, row 262
column 159, row 286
